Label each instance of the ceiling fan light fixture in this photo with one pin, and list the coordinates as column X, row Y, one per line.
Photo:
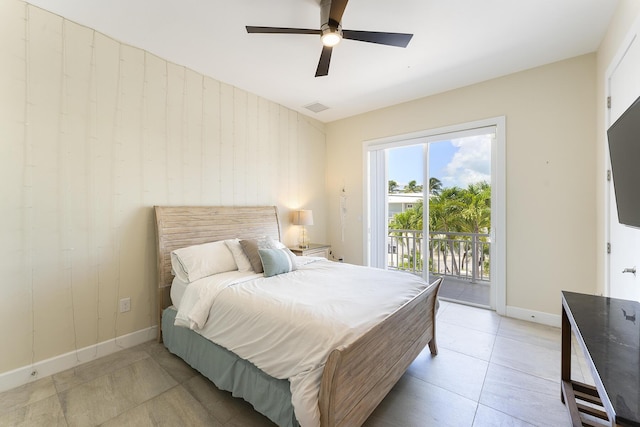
column 331, row 39
column 331, row 36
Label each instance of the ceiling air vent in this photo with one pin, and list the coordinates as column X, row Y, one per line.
column 316, row 107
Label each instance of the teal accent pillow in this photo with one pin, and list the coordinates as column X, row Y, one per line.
column 277, row 261
column 250, row 249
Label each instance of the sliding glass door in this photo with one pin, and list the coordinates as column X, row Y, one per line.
column 433, row 204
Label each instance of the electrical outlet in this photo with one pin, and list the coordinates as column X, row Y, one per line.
column 125, row 305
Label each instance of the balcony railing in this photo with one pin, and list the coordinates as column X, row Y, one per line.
column 460, row 255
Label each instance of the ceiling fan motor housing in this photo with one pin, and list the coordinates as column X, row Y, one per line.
column 331, row 35
column 325, row 8
column 330, row 28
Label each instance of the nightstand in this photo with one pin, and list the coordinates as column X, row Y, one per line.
column 314, row 249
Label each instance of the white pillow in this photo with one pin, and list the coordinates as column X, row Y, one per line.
column 278, row 244
column 177, row 270
column 198, row 261
column 238, row 255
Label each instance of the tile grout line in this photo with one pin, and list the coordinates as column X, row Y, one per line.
column 486, row 372
column 150, row 356
column 64, row 413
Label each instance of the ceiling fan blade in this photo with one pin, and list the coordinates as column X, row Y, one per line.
column 390, row 39
column 277, row 30
column 337, row 10
column 325, row 59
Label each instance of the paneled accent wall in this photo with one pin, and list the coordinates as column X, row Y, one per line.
column 93, row 134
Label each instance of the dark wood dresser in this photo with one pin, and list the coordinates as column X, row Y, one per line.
column 608, row 331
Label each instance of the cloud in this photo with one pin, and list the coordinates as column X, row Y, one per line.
column 471, row 163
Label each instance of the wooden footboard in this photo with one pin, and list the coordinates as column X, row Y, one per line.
column 357, row 378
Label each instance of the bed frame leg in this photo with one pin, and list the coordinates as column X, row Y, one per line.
column 433, row 347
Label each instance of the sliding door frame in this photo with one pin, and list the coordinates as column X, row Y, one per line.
column 375, row 183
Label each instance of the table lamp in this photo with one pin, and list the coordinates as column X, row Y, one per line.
column 303, row 217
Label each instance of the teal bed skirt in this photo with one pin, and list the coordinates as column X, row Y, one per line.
column 269, row 396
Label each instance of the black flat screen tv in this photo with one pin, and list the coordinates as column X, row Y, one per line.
column 624, row 149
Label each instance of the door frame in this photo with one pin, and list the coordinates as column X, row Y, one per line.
column 498, row 195
column 634, row 32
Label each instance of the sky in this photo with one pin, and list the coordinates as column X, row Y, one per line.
column 458, row 162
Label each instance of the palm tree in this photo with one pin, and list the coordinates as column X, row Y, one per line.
column 435, row 186
column 393, row 186
column 400, row 222
column 477, row 210
column 413, row 187
column 477, row 216
column 445, row 210
column 411, row 219
column 445, row 216
column 417, row 215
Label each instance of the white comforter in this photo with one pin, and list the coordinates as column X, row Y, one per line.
column 287, row 325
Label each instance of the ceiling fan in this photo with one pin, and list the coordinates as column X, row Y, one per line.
column 331, row 33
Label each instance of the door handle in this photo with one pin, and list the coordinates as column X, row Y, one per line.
column 630, row 270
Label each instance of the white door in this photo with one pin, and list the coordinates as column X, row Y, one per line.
column 624, row 88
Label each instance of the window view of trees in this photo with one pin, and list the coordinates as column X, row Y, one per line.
column 411, row 187
column 459, row 221
column 465, row 210
column 454, row 209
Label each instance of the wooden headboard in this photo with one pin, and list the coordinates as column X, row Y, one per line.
column 181, row 226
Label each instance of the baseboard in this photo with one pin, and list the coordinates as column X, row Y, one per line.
column 44, row 368
column 534, row 316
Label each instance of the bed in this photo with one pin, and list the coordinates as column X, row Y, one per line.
column 355, row 377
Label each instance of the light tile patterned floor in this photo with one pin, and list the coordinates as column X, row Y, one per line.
column 490, row 371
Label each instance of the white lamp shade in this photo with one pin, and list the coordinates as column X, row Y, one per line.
column 303, row 217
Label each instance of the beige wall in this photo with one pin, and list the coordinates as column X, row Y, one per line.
column 93, row 133
column 551, row 133
column 627, row 13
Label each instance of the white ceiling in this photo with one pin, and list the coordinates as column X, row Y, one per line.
column 455, row 43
